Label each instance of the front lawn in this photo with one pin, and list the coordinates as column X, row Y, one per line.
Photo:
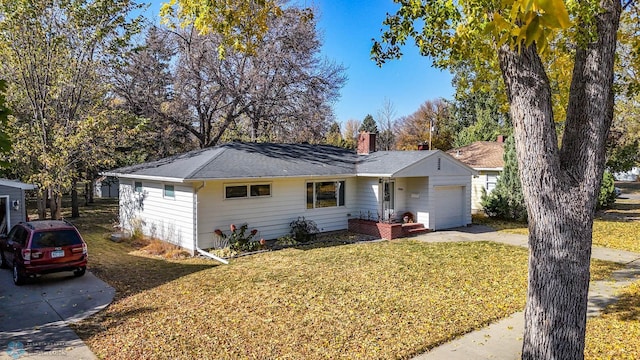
column 375, row 300
column 391, row 299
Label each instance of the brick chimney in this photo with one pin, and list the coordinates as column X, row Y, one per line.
column 500, row 138
column 366, row 143
column 423, row 146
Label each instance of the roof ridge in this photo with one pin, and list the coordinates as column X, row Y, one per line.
column 205, row 163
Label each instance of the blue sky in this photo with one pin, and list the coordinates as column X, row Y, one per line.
column 347, row 28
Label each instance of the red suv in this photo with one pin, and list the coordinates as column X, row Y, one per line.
column 42, row 247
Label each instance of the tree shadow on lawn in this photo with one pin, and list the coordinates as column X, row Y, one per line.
column 622, row 210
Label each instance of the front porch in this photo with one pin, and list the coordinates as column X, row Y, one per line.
column 384, row 230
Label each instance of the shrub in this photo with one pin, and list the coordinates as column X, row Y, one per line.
column 239, row 239
column 607, row 191
column 303, row 230
column 136, row 229
column 286, row 240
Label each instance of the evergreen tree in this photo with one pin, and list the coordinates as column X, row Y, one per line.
column 506, row 201
column 368, row 125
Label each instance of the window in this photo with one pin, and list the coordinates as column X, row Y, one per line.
column 137, row 186
column 491, row 182
column 169, row 191
column 323, row 194
column 245, row 191
column 232, row 192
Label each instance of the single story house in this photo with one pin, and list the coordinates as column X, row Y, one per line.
column 631, row 175
column 183, row 199
column 12, row 203
column 487, row 158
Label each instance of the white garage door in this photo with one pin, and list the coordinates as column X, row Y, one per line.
column 449, row 207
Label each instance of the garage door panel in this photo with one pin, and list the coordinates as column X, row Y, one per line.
column 449, row 207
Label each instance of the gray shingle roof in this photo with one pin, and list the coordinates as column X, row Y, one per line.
column 249, row 160
column 390, row 162
column 268, row 160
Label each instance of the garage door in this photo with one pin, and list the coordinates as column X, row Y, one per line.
column 449, row 207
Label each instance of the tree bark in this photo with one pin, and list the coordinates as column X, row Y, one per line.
column 561, row 185
column 75, row 207
column 42, row 205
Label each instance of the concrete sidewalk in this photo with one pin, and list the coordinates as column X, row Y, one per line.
column 502, row 340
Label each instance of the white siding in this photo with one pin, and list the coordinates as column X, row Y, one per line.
column 478, row 184
column 367, row 203
column 448, row 166
column 168, row 219
column 417, row 193
column 270, row 215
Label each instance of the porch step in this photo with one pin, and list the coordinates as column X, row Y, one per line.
column 414, row 229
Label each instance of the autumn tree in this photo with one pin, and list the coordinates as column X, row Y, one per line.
column 241, row 25
column 51, row 53
column 386, row 119
column 430, row 125
column 350, row 133
column 5, row 141
column 560, row 180
column 262, row 95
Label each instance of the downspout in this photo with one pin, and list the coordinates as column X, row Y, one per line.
column 195, row 229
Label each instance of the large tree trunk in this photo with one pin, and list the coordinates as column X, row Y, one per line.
column 41, row 201
column 55, row 203
column 75, row 207
column 561, row 185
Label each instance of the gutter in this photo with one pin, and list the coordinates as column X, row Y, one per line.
column 195, row 229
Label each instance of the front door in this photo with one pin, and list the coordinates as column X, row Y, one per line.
column 388, row 199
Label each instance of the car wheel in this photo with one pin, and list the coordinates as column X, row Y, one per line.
column 18, row 276
column 3, row 261
column 79, row 271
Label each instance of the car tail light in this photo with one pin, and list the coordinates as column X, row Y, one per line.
column 26, row 254
column 82, row 249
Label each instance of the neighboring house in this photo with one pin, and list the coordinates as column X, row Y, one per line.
column 106, row 187
column 486, row 157
column 631, row 175
column 183, row 199
column 12, row 203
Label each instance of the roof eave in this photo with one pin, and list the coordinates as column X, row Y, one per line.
column 145, row 177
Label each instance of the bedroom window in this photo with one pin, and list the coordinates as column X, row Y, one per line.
column 137, row 186
column 245, row 191
column 169, row 192
column 322, row 194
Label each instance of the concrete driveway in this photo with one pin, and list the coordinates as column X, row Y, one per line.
column 34, row 317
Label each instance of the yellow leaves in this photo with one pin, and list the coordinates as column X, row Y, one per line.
column 554, row 12
column 528, row 22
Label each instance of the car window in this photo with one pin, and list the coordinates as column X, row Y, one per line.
column 12, row 234
column 18, row 234
column 56, row 238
